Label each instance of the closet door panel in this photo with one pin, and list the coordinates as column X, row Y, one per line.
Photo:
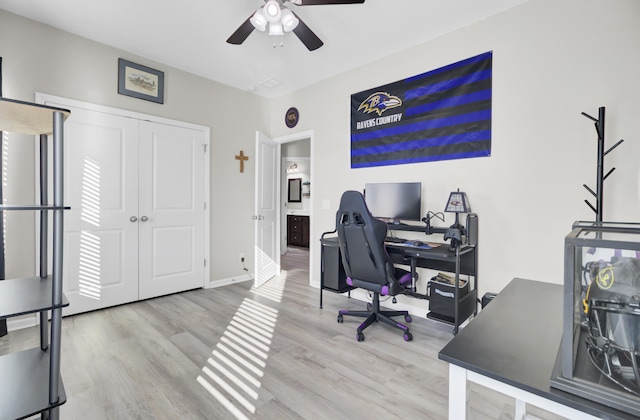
column 171, row 209
column 101, row 178
column 167, row 262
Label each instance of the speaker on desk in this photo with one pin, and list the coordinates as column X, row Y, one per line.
column 472, row 229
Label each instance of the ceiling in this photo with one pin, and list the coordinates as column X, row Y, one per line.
column 191, row 34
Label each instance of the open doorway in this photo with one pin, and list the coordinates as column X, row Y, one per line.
column 296, row 244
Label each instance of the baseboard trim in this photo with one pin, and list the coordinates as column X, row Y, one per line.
column 21, row 322
column 231, row 280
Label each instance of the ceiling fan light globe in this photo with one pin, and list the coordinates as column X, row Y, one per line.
column 259, row 21
column 289, row 20
column 275, row 28
column 272, row 11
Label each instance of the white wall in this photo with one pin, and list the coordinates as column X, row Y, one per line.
column 39, row 58
column 551, row 61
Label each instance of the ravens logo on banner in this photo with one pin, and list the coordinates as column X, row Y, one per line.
column 379, row 102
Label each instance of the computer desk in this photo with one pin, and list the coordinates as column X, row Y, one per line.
column 461, row 261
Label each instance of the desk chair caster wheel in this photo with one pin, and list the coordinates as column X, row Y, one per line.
column 340, row 319
column 407, row 336
column 359, row 336
column 407, row 318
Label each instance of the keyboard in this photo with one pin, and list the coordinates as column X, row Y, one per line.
column 395, row 240
column 409, row 243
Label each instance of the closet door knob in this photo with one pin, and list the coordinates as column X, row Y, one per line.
column 144, row 218
column 133, row 219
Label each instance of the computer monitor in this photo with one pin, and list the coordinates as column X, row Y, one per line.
column 395, row 200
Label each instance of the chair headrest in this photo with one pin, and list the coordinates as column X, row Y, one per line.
column 353, row 206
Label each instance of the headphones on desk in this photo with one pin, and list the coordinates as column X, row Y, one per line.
column 455, row 235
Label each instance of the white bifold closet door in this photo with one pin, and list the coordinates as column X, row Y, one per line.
column 136, row 225
column 171, row 193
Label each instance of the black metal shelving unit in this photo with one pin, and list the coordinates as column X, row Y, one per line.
column 30, row 381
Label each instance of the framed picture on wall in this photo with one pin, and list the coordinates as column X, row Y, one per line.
column 140, row 81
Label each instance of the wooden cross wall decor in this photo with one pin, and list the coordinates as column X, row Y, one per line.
column 241, row 157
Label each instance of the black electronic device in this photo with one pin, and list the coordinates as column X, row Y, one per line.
column 472, row 229
column 394, row 200
column 487, row 298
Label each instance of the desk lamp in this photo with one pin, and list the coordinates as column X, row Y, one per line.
column 457, row 203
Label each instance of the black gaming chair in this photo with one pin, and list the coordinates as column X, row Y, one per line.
column 366, row 262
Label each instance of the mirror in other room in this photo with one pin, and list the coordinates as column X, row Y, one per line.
column 295, row 190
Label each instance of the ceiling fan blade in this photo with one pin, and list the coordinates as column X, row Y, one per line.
column 241, row 33
column 306, row 35
column 319, row 2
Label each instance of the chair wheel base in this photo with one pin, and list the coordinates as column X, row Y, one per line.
column 373, row 315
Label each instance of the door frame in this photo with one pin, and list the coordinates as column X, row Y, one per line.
column 41, row 98
column 303, row 135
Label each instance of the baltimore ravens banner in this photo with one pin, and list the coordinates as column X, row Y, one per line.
column 439, row 115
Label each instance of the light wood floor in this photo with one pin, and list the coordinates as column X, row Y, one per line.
column 234, row 352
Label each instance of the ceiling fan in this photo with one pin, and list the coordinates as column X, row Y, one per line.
column 279, row 19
